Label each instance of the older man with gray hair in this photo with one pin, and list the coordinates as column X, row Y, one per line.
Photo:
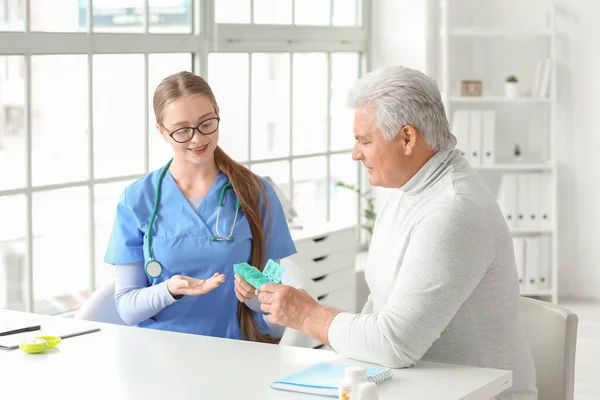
column 441, row 267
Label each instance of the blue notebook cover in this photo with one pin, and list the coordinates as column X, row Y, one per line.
column 324, row 379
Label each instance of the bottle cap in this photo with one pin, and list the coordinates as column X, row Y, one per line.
column 344, row 387
column 355, row 374
column 367, row 391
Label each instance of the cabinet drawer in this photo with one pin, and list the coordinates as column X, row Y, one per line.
column 319, row 246
column 319, row 266
column 326, row 284
column 343, row 300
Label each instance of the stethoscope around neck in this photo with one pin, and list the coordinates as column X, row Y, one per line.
column 153, row 268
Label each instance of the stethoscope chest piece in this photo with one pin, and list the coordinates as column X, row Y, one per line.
column 153, row 269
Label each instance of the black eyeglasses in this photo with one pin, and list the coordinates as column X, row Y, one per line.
column 207, row 127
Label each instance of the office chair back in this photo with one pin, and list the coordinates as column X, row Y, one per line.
column 296, row 277
column 552, row 335
column 100, row 306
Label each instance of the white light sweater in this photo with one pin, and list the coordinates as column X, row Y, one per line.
column 443, row 280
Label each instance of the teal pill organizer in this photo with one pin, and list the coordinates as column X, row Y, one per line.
column 271, row 274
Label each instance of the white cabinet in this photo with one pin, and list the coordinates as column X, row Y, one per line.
column 328, row 257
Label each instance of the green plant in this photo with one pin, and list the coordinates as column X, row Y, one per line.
column 369, row 210
column 512, row 79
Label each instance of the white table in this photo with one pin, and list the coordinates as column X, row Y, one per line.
column 133, row 363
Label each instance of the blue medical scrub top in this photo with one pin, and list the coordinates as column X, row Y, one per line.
column 181, row 242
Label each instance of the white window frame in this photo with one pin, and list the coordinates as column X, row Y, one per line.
column 206, row 37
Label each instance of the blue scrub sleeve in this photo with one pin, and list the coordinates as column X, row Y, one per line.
column 134, row 299
column 277, row 233
column 126, row 240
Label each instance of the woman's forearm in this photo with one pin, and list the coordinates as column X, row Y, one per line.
column 134, row 299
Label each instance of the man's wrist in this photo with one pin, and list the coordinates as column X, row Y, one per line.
column 316, row 322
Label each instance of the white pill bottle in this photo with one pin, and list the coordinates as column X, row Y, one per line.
column 354, row 383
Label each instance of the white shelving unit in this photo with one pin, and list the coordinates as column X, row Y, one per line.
column 545, row 169
column 498, row 99
column 514, row 167
column 493, row 31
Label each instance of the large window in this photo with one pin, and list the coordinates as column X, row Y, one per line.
column 76, row 120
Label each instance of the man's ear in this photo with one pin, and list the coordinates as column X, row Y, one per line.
column 408, row 136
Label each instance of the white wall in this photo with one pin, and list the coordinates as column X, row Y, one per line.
column 399, row 35
column 404, row 32
column 578, row 144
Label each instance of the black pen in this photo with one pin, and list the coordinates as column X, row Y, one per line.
column 21, row 330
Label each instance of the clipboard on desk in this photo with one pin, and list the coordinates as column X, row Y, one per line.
column 11, row 342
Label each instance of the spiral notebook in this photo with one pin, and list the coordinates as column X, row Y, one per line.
column 324, row 378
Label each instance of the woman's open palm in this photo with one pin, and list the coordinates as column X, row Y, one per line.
column 184, row 285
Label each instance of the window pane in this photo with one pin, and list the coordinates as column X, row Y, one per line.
column 60, row 249
column 228, row 78
column 278, row 171
column 12, row 122
column 59, row 119
column 312, row 12
column 13, row 254
column 270, row 105
column 344, row 72
column 310, row 189
column 310, row 103
column 273, row 11
column 118, row 15
column 170, row 16
column 118, row 115
column 106, row 197
column 344, row 202
column 12, row 15
column 58, row 16
column 347, row 13
column 232, row 11
column 159, row 67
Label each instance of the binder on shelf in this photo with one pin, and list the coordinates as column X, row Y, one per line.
column 534, row 201
column 542, row 79
column 519, row 248
column 460, row 129
column 532, row 264
column 545, row 80
column 475, row 137
column 523, row 202
column 507, row 199
column 537, row 78
column 489, row 137
column 545, row 201
column 545, row 266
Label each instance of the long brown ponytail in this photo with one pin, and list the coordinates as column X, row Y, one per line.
column 250, row 192
column 246, row 185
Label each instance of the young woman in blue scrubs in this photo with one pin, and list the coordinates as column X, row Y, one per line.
column 194, row 290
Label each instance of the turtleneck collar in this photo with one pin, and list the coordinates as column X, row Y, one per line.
column 428, row 173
